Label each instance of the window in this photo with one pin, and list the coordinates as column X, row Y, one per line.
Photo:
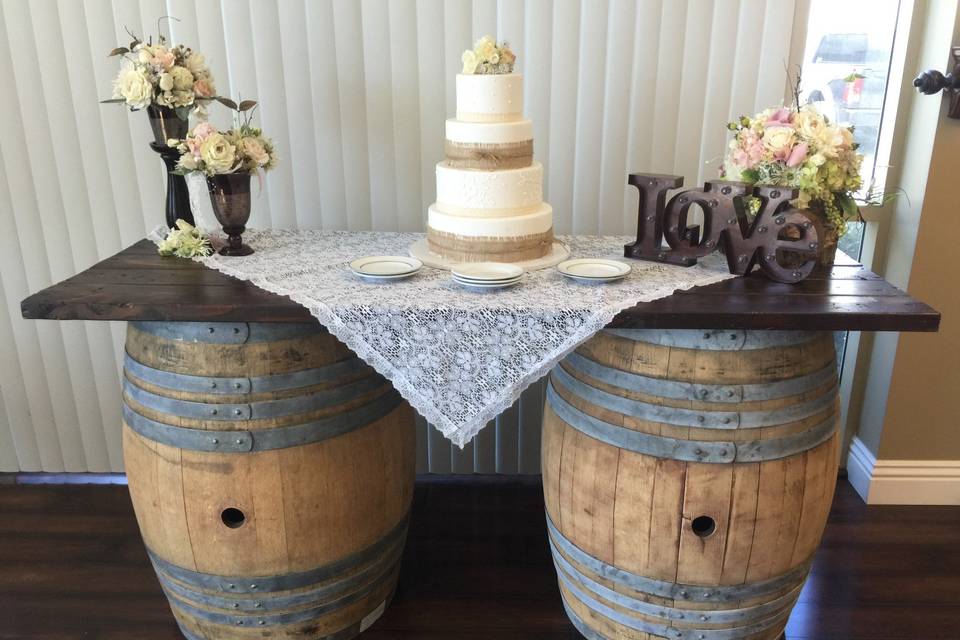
column 845, row 72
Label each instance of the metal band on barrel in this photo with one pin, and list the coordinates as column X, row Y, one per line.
column 741, row 616
column 236, row 441
column 673, row 590
column 677, row 390
column 694, row 417
column 282, row 582
column 666, row 631
column 715, row 340
column 236, row 386
column 688, row 450
column 253, row 410
column 228, row 332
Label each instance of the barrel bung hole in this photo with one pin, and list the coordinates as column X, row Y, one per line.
column 233, row 517
column 703, row 526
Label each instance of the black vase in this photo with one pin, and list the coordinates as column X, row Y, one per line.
column 165, row 125
column 230, row 198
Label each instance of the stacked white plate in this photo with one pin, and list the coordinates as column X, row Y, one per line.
column 593, row 270
column 487, row 276
column 385, row 268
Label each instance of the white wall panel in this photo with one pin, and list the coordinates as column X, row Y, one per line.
column 355, row 94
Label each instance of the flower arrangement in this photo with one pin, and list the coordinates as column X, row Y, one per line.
column 185, row 241
column 487, row 57
column 242, row 149
column 159, row 75
column 798, row 148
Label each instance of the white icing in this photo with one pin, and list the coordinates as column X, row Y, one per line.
column 500, row 227
column 489, row 97
column 489, row 132
column 508, row 189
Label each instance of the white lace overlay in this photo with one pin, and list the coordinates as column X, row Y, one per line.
column 460, row 358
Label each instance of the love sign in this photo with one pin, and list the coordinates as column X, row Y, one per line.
column 780, row 240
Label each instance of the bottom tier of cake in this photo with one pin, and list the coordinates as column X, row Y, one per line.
column 489, row 248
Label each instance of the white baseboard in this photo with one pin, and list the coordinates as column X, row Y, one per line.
column 918, row 482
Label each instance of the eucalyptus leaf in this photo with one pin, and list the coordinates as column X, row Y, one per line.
column 247, row 104
column 227, row 102
column 119, row 51
column 112, row 101
column 183, row 113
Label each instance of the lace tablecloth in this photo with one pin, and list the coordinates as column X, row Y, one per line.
column 459, row 357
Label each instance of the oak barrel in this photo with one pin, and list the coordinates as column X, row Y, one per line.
column 271, row 472
column 688, row 476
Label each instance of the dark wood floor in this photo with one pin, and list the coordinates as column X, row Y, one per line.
column 477, row 566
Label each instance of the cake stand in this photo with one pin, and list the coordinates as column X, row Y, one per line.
column 421, row 251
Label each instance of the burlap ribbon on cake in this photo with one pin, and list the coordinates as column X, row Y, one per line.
column 471, row 249
column 473, row 155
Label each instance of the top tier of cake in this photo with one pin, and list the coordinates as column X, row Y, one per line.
column 490, row 97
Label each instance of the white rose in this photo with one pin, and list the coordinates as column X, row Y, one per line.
column 133, row 86
column 166, row 81
column 777, row 138
column 809, row 123
column 469, row 59
column 144, row 54
column 182, row 79
column 217, row 154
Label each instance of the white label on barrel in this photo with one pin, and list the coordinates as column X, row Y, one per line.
column 371, row 617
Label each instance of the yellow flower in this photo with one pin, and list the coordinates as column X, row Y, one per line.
column 217, row 154
column 470, row 61
column 182, row 79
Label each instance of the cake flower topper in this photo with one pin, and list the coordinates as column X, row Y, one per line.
column 487, row 57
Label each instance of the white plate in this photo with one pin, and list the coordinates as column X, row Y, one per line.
column 489, row 286
column 487, row 271
column 594, row 269
column 385, row 265
column 476, row 281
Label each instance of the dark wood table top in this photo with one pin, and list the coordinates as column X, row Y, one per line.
column 138, row 284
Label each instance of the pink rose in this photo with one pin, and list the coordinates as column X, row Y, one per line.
column 203, row 89
column 163, row 60
column 202, row 130
column 779, row 118
column 798, row 155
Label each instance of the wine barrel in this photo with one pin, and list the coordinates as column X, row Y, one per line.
column 271, row 472
column 688, row 476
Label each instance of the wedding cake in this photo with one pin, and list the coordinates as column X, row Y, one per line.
column 489, row 188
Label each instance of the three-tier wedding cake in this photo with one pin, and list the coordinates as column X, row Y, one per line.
column 489, row 188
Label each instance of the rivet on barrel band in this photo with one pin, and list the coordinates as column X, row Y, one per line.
column 253, row 410
column 674, row 389
column 265, row 439
column 676, row 591
column 236, row 386
column 282, row 582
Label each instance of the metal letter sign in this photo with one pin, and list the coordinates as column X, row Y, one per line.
column 780, row 240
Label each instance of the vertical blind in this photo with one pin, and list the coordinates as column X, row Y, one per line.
column 355, row 95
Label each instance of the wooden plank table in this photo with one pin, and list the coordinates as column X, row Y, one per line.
column 138, row 284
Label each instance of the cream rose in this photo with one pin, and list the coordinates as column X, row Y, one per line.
column 217, row 154
column 778, row 138
column 182, row 79
column 485, row 49
column 253, row 149
column 133, row 86
column 166, row 81
column 470, row 61
column 809, row 123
